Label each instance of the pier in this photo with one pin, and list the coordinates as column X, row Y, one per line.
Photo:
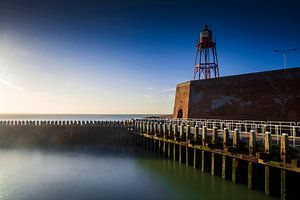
column 259, row 154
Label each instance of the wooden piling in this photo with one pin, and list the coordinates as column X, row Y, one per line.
column 225, row 138
column 195, row 158
column 233, row 175
column 267, row 180
column 204, row 135
column 186, row 155
column 284, row 157
column 250, row 177
column 202, row 161
column 252, row 143
column 179, row 153
column 268, row 143
column 214, row 137
column 236, row 139
column 169, row 150
column 174, row 151
column 212, row 164
column 223, row 167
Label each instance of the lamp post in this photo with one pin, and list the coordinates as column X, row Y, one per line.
column 284, row 55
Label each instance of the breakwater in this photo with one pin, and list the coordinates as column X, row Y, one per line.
column 63, row 133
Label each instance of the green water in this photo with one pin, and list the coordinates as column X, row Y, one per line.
column 115, row 173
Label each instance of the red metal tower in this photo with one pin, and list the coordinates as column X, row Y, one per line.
column 206, row 60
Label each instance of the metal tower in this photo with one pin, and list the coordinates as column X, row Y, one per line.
column 206, row 60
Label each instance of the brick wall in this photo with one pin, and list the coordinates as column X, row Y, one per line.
column 271, row 95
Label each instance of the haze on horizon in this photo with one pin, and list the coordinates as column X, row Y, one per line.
column 111, row 57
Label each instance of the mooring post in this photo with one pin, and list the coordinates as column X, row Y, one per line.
column 204, row 135
column 160, row 129
column 214, row 137
column 268, row 143
column 284, row 157
column 236, row 139
column 252, row 143
column 148, row 128
column 267, row 150
column 188, row 132
column 165, row 130
column 170, row 130
column 155, row 128
column 181, row 130
column 225, row 138
column 196, row 133
column 175, row 132
column 252, row 148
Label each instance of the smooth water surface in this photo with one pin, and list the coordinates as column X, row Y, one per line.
column 117, row 173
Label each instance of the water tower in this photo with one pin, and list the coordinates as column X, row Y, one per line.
column 206, row 60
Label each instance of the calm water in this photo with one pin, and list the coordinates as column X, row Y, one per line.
column 126, row 174
column 115, row 173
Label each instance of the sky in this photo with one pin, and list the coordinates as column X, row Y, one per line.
column 127, row 56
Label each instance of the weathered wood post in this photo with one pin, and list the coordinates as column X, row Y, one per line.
column 252, row 148
column 204, row 135
column 204, row 139
column 267, row 150
column 188, row 132
column 236, row 144
column 284, row 157
column 225, row 143
column 225, row 138
column 175, row 132
column 181, row 131
column 214, row 138
column 214, row 141
column 196, row 133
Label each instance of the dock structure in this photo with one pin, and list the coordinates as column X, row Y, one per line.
column 262, row 155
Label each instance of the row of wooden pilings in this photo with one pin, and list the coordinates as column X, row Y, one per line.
column 243, row 160
column 44, row 134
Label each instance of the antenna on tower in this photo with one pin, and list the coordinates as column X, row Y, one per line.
column 206, row 60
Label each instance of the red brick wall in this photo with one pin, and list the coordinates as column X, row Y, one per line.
column 272, row 95
column 182, row 99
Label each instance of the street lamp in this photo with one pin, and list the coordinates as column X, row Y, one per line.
column 284, row 55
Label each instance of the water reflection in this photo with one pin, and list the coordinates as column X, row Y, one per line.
column 129, row 173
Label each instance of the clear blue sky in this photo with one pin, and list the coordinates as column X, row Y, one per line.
column 127, row 56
